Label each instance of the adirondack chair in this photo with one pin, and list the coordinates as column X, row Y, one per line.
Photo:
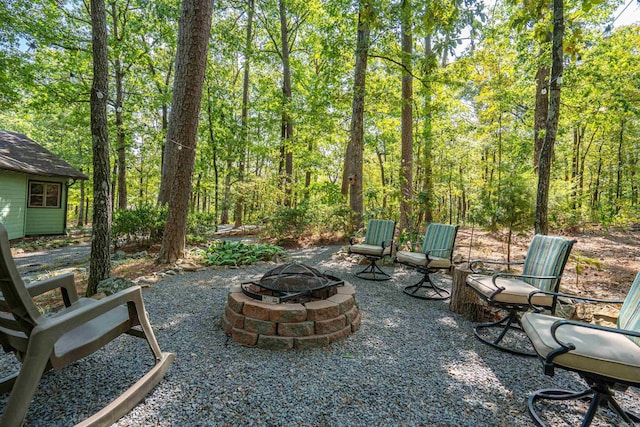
column 79, row 329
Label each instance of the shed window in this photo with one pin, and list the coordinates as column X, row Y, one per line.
column 44, row 194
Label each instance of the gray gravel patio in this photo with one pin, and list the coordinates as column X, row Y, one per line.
column 412, row 363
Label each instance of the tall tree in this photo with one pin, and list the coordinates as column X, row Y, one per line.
column 245, row 113
column 287, row 122
column 353, row 156
column 191, row 59
column 406, row 161
column 100, row 265
column 119, row 71
column 546, row 152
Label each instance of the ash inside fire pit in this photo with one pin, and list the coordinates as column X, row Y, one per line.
column 292, row 282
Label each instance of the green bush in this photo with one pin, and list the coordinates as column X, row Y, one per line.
column 224, row 252
column 289, row 222
column 142, row 224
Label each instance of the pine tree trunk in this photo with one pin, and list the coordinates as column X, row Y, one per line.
column 237, row 213
column 191, row 58
column 356, row 142
column 546, row 153
column 427, row 182
column 287, row 124
column 541, row 108
column 100, row 264
column 406, row 166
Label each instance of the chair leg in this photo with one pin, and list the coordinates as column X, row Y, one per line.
column 509, row 322
column 373, row 272
column 6, row 383
column 599, row 395
column 426, row 289
column 24, row 386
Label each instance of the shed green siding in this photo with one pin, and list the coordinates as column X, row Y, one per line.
column 46, row 220
column 13, row 201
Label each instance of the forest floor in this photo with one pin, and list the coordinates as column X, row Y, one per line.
column 603, row 263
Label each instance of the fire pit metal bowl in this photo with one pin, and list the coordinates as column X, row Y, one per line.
column 289, row 281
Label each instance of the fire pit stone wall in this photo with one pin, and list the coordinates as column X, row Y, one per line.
column 291, row 325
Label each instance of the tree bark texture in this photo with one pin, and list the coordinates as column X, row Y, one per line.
column 237, row 214
column 120, row 134
column 406, row 166
column 191, row 58
column 464, row 300
column 546, row 153
column 427, row 183
column 287, row 124
column 541, row 108
column 355, row 153
column 100, row 264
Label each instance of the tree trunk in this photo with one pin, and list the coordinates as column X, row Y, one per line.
column 619, row 168
column 237, row 213
column 427, row 183
column 464, row 300
column 287, row 124
column 541, row 109
column 167, row 149
column 121, row 150
column 120, row 135
column 546, row 153
column 81, row 207
column 191, row 58
column 406, row 165
column 100, row 264
column 354, row 156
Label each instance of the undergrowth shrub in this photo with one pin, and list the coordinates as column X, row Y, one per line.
column 138, row 225
column 289, row 222
column 223, row 252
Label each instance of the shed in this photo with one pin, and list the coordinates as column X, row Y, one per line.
column 33, row 187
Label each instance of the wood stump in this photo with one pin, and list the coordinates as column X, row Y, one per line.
column 464, row 300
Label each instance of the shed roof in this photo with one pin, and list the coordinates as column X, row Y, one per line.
column 20, row 154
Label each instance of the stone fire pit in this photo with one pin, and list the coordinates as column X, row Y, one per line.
column 316, row 321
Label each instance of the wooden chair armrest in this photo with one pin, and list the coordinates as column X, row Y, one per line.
column 64, row 282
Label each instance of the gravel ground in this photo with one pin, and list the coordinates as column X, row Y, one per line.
column 412, row 363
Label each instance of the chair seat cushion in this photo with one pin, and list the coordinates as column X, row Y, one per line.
column 371, row 250
column 420, row 259
column 599, row 352
column 516, row 291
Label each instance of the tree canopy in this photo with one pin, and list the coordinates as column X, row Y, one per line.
column 272, row 141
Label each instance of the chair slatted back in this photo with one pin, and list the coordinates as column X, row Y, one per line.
column 20, row 313
column 378, row 231
column 629, row 317
column 440, row 236
column 547, row 256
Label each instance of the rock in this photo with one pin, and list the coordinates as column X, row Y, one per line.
column 145, row 281
column 113, row 285
column 141, row 254
column 118, row 255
